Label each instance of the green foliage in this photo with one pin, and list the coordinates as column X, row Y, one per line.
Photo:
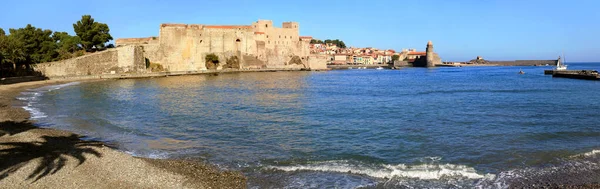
column 212, row 61
column 30, row 45
column 67, row 44
column 12, row 51
column 92, row 34
column 337, row 42
column 38, row 44
column 212, row 58
column 316, row 41
column 395, row 57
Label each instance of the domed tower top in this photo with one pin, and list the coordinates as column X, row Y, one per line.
column 429, row 43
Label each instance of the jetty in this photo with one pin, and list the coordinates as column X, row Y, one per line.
column 574, row 74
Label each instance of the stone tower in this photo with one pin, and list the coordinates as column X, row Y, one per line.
column 430, row 55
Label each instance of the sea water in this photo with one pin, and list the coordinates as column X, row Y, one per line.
column 414, row 127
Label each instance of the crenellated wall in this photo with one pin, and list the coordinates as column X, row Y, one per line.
column 136, row 41
column 183, row 47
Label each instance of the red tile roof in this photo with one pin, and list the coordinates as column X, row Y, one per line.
column 306, row 37
column 417, row 53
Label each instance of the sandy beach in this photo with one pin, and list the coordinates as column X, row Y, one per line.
column 32, row 157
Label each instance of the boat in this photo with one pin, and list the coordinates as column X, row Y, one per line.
column 379, row 68
column 560, row 65
column 521, row 72
column 349, row 68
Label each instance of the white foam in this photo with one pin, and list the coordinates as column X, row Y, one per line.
column 55, row 87
column 34, row 112
column 587, row 154
column 424, row 171
column 31, row 98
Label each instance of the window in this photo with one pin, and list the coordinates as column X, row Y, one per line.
column 237, row 40
column 266, row 25
column 280, row 37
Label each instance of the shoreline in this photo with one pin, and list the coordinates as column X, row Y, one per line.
column 34, row 157
column 113, row 168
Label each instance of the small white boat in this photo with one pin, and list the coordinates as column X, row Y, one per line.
column 349, row 68
column 560, row 65
column 379, row 68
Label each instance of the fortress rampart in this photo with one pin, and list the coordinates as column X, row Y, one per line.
column 183, row 47
column 128, row 59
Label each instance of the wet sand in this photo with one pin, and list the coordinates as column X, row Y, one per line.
column 32, row 157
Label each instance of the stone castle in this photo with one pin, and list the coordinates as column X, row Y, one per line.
column 183, row 47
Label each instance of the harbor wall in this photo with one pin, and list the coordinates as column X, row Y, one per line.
column 128, row 59
column 524, row 62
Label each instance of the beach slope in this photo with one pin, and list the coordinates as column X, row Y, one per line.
column 32, row 157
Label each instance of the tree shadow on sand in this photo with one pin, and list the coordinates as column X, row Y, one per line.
column 13, row 128
column 54, row 151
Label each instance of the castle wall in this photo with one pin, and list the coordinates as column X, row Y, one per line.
column 182, row 47
column 317, row 62
column 136, row 41
column 113, row 61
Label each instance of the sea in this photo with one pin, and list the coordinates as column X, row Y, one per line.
column 445, row 127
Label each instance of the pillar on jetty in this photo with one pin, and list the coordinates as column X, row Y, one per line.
column 430, row 55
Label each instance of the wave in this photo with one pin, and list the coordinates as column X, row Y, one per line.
column 54, row 87
column 480, row 91
column 153, row 154
column 586, row 154
column 31, row 97
column 386, row 171
column 34, row 112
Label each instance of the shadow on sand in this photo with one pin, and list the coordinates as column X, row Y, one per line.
column 53, row 151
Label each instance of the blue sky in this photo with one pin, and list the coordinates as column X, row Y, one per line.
column 460, row 29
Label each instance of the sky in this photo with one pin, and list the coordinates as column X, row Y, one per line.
column 460, row 30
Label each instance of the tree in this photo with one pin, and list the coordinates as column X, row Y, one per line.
column 341, row 44
column 2, row 33
column 316, row 41
column 92, row 34
column 395, row 57
column 12, row 51
column 38, row 44
column 336, row 42
column 67, row 44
